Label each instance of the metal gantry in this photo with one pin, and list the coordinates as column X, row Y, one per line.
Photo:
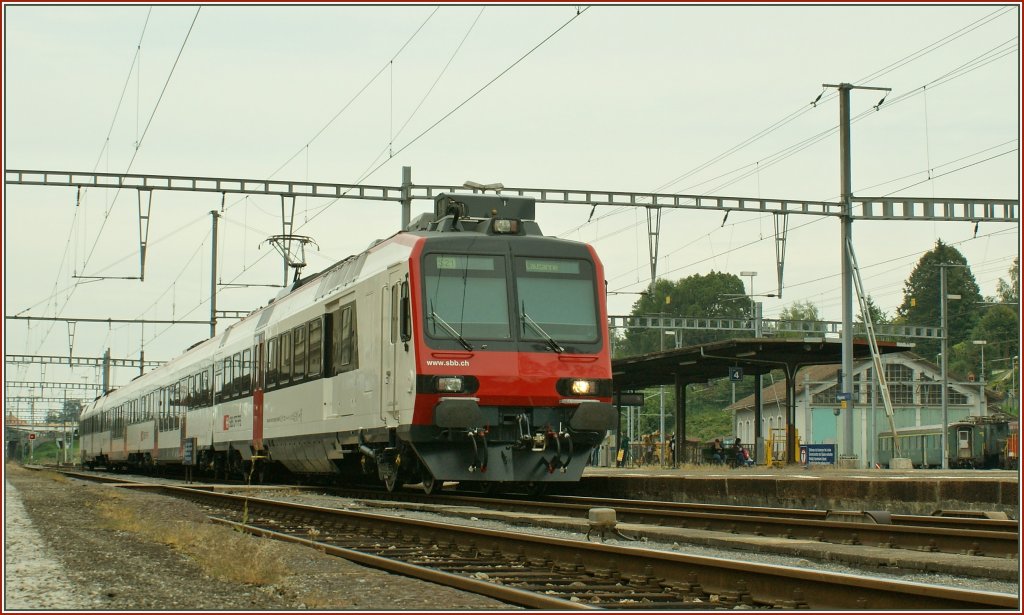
column 870, row 208
column 79, row 361
column 769, row 327
column 851, row 208
column 70, row 386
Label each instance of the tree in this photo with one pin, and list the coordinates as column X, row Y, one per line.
column 998, row 327
column 922, row 296
column 1009, row 292
column 715, row 295
column 878, row 317
column 800, row 310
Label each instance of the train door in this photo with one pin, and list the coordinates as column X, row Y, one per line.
column 258, row 375
column 390, row 343
column 963, row 443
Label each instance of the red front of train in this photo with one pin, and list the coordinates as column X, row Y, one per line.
column 513, row 372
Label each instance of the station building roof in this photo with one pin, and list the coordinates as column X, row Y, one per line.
column 704, row 362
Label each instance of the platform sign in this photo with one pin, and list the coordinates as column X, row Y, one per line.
column 735, row 374
column 818, row 454
column 629, row 399
column 189, row 453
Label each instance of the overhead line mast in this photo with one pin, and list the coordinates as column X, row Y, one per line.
column 846, row 254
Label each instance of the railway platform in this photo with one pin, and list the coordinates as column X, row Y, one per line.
column 917, row 492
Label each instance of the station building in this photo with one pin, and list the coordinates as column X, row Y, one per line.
column 915, row 389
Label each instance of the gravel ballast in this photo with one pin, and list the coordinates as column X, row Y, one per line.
column 60, row 534
column 61, row 554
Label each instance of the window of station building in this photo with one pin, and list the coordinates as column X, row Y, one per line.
column 299, row 352
column 286, row 358
column 899, row 377
column 315, row 358
column 955, row 398
column 826, row 397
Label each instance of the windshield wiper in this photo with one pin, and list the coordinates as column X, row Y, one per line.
column 547, row 338
column 451, row 330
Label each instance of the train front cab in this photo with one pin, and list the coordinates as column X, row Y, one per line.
column 513, row 377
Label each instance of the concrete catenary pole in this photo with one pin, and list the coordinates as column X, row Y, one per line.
column 213, row 274
column 847, row 272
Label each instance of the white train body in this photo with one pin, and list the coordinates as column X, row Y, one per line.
column 337, row 376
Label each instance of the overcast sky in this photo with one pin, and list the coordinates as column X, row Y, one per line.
column 621, row 98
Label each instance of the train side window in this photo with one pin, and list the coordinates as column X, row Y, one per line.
column 246, row 378
column 228, row 378
column 345, row 355
column 406, row 316
column 207, row 391
column 299, row 352
column 286, row 357
column 218, row 380
column 182, row 395
column 315, row 348
column 271, row 363
column 394, row 313
column 237, row 386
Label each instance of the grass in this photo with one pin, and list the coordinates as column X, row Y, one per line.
column 221, row 552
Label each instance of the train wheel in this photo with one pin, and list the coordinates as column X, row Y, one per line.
column 391, row 482
column 430, row 484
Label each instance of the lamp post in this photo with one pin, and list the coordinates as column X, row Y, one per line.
column 751, row 275
column 756, row 325
column 983, row 402
column 981, row 343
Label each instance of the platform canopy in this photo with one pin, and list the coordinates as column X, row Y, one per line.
column 704, row 362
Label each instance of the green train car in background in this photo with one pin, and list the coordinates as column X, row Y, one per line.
column 979, row 442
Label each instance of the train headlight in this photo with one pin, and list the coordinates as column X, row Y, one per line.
column 449, row 384
column 505, row 226
column 583, row 387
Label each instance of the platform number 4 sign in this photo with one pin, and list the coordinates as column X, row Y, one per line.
column 735, row 374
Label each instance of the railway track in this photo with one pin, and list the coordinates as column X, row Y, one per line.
column 955, row 535
column 976, row 536
column 562, row 574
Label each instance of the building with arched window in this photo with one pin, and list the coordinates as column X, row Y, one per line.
column 915, row 389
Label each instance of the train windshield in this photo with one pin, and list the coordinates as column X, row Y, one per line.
column 467, row 294
column 558, row 295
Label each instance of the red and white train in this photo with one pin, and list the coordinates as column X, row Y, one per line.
column 468, row 348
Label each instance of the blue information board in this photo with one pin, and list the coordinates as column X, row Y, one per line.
column 818, row 454
column 189, row 452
